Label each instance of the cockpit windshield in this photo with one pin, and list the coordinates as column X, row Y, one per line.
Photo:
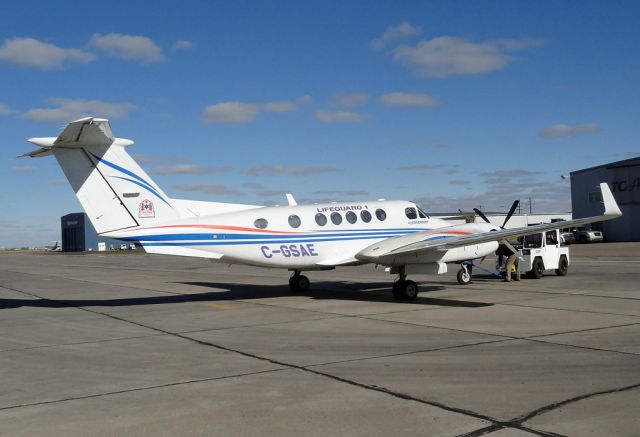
column 421, row 213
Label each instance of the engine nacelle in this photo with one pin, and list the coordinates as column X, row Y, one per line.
column 470, row 252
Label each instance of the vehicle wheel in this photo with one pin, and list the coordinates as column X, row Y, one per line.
column 563, row 266
column 537, row 269
column 582, row 239
column 299, row 283
column 464, row 277
column 405, row 290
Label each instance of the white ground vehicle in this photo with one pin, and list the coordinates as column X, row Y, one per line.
column 540, row 252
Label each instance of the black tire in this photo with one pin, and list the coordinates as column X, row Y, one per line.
column 464, row 277
column 537, row 269
column 299, row 283
column 563, row 266
column 405, row 290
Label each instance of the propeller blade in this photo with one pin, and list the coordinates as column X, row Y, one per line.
column 481, row 214
column 511, row 211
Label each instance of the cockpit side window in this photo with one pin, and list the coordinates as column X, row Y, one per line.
column 411, row 213
column 421, row 213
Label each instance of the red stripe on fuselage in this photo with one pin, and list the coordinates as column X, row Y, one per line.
column 219, row 227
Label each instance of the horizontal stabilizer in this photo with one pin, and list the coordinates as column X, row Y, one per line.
column 87, row 132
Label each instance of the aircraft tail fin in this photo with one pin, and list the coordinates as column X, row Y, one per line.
column 113, row 189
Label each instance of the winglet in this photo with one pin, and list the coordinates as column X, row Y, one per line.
column 611, row 208
column 291, row 200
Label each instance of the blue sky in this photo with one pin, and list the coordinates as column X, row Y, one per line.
column 454, row 104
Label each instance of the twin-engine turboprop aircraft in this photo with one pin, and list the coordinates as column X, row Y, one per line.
column 123, row 202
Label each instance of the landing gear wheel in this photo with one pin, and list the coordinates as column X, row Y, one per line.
column 405, row 290
column 537, row 269
column 563, row 266
column 299, row 283
column 464, row 276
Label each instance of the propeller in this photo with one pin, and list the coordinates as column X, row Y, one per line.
column 506, row 219
column 481, row 214
column 510, row 213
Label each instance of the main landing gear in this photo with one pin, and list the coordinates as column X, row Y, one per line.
column 404, row 289
column 298, row 282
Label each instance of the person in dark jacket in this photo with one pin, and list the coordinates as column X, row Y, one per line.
column 513, row 260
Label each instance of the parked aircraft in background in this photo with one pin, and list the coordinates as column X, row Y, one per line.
column 55, row 247
column 123, row 202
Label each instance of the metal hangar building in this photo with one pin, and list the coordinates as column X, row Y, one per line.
column 624, row 179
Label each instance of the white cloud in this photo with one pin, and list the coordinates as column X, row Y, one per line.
column 230, row 112
column 347, row 100
column 30, row 52
column 393, row 33
column 330, row 117
column 242, row 112
column 5, row 110
column 546, row 196
column 128, row 47
column 305, row 100
column 208, row 188
column 564, row 130
column 459, row 182
column 181, row 44
column 280, row 106
column 189, row 169
column 450, row 56
column 409, row 99
column 24, row 169
column 341, row 192
column 261, row 170
column 71, row 109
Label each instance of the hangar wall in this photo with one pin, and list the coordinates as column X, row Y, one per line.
column 79, row 235
column 624, row 179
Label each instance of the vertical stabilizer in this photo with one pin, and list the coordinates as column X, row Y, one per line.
column 112, row 188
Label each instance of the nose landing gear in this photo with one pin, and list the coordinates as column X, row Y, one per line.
column 464, row 274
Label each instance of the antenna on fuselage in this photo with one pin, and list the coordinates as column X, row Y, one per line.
column 290, row 199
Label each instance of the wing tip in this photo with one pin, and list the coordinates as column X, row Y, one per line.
column 611, row 208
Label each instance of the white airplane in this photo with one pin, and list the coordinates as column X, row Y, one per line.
column 123, row 202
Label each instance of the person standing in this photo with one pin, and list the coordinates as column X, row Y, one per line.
column 512, row 261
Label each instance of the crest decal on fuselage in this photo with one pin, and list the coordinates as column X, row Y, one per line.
column 146, row 210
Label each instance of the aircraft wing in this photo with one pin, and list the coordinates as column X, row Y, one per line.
column 418, row 243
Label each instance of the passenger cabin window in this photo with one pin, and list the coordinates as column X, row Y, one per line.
column 321, row 219
column 294, row 221
column 351, row 217
column 365, row 216
column 382, row 216
column 261, row 223
column 336, row 218
column 411, row 213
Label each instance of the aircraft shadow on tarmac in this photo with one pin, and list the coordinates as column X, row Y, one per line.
column 371, row 292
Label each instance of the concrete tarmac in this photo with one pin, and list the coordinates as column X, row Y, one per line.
column 133, row 344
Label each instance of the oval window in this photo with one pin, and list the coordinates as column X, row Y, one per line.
column 351, row 217
column 321, row 219
column 336, row 218
column 294, row 221
column 365, row 216
column 261, row 223
column 411, row 213
column 382, row 216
